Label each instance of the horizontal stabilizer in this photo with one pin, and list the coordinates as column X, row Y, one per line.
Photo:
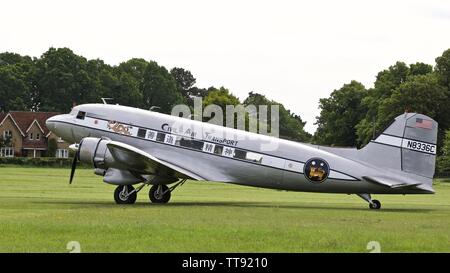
column 385, row 181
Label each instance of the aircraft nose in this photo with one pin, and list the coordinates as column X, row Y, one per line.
column 51, row 124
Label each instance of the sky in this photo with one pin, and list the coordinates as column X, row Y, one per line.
column 294, row 52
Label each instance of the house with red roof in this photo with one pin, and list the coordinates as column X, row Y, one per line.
column 25, row 134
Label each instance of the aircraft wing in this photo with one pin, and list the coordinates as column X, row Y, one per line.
column 134, row 159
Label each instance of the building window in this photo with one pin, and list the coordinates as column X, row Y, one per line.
column 7, row 134
column 38, row 136
column 62, row 153
column 6, row 152
column 31, row 136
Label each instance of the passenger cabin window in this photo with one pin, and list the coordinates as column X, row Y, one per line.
column 141, row 133
column 218, row 149
column 191, row 143
column 81, row 115
column 240, row 154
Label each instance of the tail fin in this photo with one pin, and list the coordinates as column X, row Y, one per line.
column 408, row 144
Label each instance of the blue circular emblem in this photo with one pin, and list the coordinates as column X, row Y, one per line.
column 316, row 170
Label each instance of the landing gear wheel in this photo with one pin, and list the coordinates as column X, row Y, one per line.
column 375, row 204
column 122, row 196
column 159, row 194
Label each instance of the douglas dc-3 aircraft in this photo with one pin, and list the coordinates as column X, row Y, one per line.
column 129, row 146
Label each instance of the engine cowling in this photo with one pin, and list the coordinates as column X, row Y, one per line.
column 94, row 151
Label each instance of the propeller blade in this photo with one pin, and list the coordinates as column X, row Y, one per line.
column 76, row 148
column 74, row 166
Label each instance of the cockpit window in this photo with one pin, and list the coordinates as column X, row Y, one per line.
column 81, row 115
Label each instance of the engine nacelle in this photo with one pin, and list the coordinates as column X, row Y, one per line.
column 94, row 151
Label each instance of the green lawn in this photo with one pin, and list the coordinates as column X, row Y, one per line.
column 41, row 212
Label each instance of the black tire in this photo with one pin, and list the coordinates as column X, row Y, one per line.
column 157, row 198
column 375, row 204
column 120, row 199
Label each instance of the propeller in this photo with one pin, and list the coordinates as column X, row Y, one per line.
column 76, row 148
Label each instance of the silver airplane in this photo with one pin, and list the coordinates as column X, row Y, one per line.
column 129, row 146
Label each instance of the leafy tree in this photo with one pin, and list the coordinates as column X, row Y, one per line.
column 8, row 58
column 339, row 115
column 443, row 68
column 422, row 94
column 443, row 161
column 160, row 88
column 135, row 67
column 221, row 97
column 386, row 82
column 130, row 82
column 200, row 92
column 52, row 146
column 184, row 78
column 14, row 89
column 16, row 81
column 185, row 82
column 126, row 90
column 62, row 80
column 420, row 69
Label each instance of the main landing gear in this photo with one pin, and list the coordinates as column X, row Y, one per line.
column 160, row 193
column 373, row 204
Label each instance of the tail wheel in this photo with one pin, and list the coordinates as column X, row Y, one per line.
column 122, row 194
column 159, row 194
column 375, row 204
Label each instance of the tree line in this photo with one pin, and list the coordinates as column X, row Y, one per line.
column 59, row 79
column 353, row 114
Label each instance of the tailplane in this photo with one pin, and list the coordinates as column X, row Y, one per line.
column 408, row 144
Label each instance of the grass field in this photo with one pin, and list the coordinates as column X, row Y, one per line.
column 40, row 212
